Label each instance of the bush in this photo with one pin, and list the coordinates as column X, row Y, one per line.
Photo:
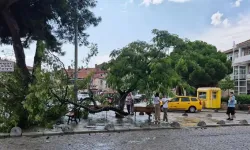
column 225, row 99
column 243, row 99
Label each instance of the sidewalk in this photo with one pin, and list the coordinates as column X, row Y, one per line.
column 106, row 122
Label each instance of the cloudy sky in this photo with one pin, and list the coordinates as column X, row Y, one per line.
column 218, row 22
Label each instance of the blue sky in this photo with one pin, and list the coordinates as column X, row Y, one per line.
column 218, row 22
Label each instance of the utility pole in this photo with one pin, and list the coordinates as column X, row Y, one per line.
column 76, row 52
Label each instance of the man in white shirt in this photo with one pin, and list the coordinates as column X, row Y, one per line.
column 157, row 108
column 165, row 108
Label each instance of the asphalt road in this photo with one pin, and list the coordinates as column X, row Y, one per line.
column 229, row 138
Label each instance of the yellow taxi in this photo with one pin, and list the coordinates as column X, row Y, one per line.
column 186, row 103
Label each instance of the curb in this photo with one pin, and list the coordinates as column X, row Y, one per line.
column 47, row 133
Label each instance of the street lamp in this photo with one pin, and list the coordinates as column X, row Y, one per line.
column 76, row 52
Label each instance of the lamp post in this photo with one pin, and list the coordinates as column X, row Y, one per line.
column 76, row 53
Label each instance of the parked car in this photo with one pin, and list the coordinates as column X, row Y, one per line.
column 139, row 97
column 82, row 95
column 185, row 103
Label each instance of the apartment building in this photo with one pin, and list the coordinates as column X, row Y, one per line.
column 240, row 57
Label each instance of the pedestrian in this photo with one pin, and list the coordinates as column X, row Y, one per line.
column 132, row 104
column 231, row 106
column 128, row 102
column 157, row 108
column 165, row 108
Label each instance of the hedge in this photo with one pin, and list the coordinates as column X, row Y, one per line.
column 241, row 99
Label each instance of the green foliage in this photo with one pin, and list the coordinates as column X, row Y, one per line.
column 226, row 84
column 198, row 63
column 224, row 99
column 42, row 106
column 39, row 19
column 243, row 99
column 12, row 96
column 140, row 66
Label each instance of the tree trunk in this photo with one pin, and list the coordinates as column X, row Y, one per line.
column 123, row 96
column 39, row 55
column 17, row 45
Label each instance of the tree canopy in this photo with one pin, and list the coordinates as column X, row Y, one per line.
column 52, row 21
column 197, row 63
column 139, row 66
column 147, row 67
column 227, row 84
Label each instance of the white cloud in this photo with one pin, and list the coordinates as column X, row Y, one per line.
column 125, row 5
column 154, row 2
column 237, row 3
column 226, row 23
column 179, row 1
column 222, row 37
column 216, row 18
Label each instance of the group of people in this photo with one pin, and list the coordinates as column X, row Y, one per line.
column 130, row 106
column 157, row 101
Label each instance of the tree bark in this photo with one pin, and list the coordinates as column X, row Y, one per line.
column 39, row 55
column 17, row 45
column 123, row 96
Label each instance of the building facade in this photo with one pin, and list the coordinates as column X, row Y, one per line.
column 98, row 78
column 240, row 57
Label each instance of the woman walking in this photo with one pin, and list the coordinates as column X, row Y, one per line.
column 129, row 102
column 157, row 108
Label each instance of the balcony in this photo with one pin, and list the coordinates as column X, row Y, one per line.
column 241, row 60
column 241, row 77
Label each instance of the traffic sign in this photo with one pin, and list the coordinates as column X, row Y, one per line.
column 6, row 66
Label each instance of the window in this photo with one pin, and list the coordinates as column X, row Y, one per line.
column 214, row 95
column 175, row 99
column 203, row 95
column 194, row 99
column 185, row 99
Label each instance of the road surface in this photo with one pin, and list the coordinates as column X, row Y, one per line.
column 227, row 138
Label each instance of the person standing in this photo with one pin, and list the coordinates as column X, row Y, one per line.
column 157, row 108
column 231, row 106
column 132, row 104
column 128, row 102
column 165, row 108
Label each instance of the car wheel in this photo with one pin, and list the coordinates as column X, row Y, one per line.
column 192, row 109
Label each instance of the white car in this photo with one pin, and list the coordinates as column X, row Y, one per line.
column 82, row 95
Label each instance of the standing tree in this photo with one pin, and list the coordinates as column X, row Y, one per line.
column 49, row 21
column 139, row 66
column 198, row 63
column 227, row 84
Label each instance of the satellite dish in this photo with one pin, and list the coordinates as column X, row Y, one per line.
column 16, row 131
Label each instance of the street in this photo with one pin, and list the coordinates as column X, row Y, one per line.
column 227, row 138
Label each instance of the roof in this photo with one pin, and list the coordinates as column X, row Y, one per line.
column 208, row 88
column 242, row 45
column 85, row 72
column 82, row 73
